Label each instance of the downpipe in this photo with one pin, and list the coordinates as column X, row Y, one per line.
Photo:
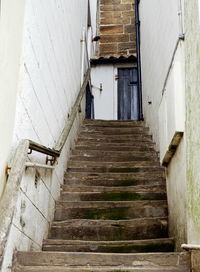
column 139, row 73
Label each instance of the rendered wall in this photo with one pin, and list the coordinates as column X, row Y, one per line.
column 11, row 29
column 192, row 52
column 164, row 98
column 49, row 82
column 159, row 34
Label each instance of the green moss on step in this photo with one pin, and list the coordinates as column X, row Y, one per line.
column 107, row 214
column 123, row 196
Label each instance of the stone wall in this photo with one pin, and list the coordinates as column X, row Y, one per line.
column 117, row 28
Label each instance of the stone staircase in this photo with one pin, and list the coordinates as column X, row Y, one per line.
column 112, row 213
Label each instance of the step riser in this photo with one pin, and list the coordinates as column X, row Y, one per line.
column 115, row 141
column 112, row 196
column 124, row 137
column 138, row 129
column 102, row 259
column 115, row 148
column 103, row 189
column 112, row 182
column 94, row 269
column 117, row 230
column 143, row 170
column 113, row 159
column 115, row 248
column 125, row 131
column 122, row 213
column 114, row 123
column 115, row 176
column 79, row 164
column 105, row 153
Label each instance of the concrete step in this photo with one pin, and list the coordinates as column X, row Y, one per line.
column 113, row 123
column 112, row 196
column 110, row 210
column 102, row 230
column 157, row 188
column 137, row 246
column 72, row 260
column 113, row 170
column 103, row 164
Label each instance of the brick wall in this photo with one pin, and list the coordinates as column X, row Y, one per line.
column 117, row 28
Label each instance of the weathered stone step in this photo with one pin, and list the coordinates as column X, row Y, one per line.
column 131, row 169
column 113, row 123
column 103, row 164
column 112, row 196
column 110, row 153
column 97, row 193
column 115, row 130
column 101, row 269
column 115, row 140
column 120, row 147
column 122, row 176
column 136, row 246
column 132, row 137
column 147, row 188
column 114, row 144
column 100, row 260
column 110, row 210
column 102, row 230
column 109, row 181
column 112, row 158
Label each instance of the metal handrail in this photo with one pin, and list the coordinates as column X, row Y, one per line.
column 43, row 149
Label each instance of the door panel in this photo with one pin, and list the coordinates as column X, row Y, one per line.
column 128, row 99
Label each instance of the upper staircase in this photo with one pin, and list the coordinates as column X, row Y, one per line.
column 112, row 212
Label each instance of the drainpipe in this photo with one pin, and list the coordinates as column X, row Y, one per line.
column 137, row 25
column 83, row 41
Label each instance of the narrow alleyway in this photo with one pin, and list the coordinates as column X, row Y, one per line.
column 112, row 213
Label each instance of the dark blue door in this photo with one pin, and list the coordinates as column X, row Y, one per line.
column 128, row 97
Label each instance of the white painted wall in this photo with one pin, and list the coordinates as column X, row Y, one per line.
column 159, row 33
column 48, row 84
column 11, row 28
column 160, row 29
column 172, row 106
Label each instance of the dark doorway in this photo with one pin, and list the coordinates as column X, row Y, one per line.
column 89, row 104
column 128, row 97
